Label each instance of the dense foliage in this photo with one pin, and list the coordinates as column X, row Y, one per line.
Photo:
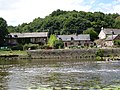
column 55, row 43
column 92, row 32
column 69, row 22
column 58, row 44
column 117, row 43
column 3, row 30
column 51, row 40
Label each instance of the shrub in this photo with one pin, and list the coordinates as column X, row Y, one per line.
column 117, row 42
column 17, row 47
column 31, row 46
column 45, row 47
column 99, row 53
column 58, row 44
column 98, row 58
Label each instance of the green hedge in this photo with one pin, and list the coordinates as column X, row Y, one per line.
column 30, row 46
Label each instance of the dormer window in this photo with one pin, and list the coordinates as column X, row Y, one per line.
column 15, row 36
column 72, row 38
column 60, row 38
column 112, row 32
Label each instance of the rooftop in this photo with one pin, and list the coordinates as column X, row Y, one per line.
column 26, row 35
column 109, row 31
column 74, row 37
column 111, row 37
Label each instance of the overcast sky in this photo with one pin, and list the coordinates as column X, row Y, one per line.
column 18, row 11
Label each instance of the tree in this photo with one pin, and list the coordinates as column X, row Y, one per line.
column 117, row 23
column 11, row 29
column 51, row 40
column 92, row 32
column 70, row 22
column 3, row 31
column 54, row 42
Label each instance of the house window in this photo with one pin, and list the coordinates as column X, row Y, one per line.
column 79, row 44
column 72, row 38
column 66, row 45
column 71, row 43
column 15, row 36
column 60, row 38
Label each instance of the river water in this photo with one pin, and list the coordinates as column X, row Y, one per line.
column 23, row 74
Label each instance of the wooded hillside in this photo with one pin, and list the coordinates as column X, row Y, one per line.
column 69, row 22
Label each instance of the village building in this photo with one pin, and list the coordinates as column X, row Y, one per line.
column 24, row 38
column 108, row 36
column 106, row 32
column 75, row 40
column 109, row 41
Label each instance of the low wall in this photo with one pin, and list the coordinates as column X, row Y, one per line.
column 72, row 53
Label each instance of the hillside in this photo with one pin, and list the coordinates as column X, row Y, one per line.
column 69, row 22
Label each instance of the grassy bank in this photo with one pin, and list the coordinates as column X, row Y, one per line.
column 16, row 52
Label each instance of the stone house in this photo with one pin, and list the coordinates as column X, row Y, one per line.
column 109, row 41
column 23, row 38
column 75, row 40
column 106, row 32
column 108, row 36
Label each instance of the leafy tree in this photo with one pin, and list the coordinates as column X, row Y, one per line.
column 92, row 32
column 51, row 40
column 11, row 29
column 69, row 22
column 57, row 12
column 117, row 22
column 3, row 31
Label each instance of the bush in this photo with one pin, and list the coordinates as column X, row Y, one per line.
column 45, row 47
column 99, row 53
column 17, row 47
column 117, row 42
column 31, row 46
column 58, row 44
column 98, row 58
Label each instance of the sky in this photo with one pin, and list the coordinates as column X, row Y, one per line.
column 16, row 12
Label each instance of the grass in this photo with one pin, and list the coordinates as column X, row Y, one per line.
column 16, row 52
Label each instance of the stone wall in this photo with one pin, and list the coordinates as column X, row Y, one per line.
column 72, row 53
column 62, row 54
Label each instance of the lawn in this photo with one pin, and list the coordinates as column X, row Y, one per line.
column 16, row 52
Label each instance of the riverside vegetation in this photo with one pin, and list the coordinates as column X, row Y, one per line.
column 64, row 22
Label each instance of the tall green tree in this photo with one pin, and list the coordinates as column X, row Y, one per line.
column 70, row 22
column 51, row 40
column 92, row 32
column 117, row 23
column 11, row 29
column 3, row 31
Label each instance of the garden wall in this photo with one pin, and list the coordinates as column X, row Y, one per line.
column 72, row 53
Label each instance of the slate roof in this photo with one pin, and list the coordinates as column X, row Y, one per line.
column 27, row 35
column 75, row 37
column 110, row 37
column 109, row 31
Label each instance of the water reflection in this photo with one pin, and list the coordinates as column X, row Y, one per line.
column 21, row 74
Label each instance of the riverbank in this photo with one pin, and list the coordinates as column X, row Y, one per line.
column 87, row 54
column 13, row 54
column 16, row 52
column 84, row 54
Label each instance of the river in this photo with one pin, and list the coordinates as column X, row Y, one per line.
column 24, row 74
